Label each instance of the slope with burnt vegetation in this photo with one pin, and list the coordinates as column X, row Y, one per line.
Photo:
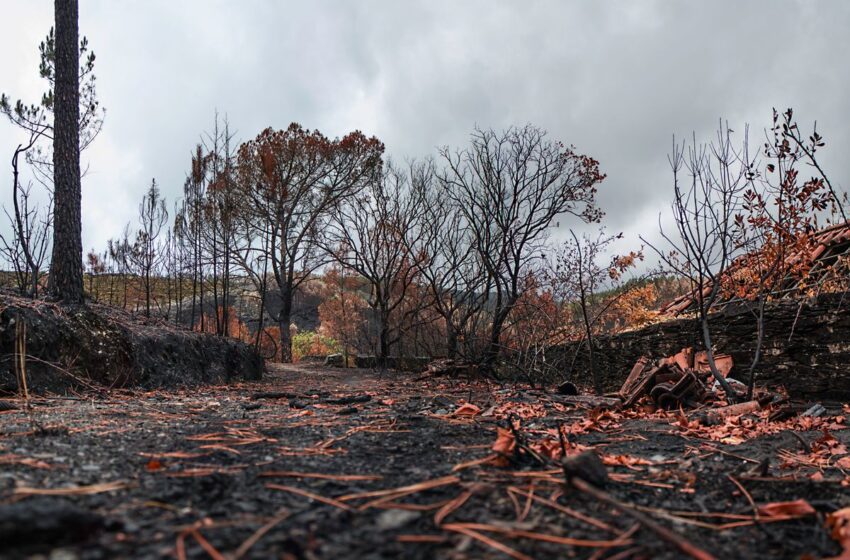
column 50, row 347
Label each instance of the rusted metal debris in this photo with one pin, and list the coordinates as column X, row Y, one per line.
column 677, row 381
column 683, row 380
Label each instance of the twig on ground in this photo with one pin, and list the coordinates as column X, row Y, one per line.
column 311, row 495
column 258, row 534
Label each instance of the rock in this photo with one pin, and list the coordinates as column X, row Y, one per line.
column 586, row 466
column 442, row 401
column 392, row 519
column 366, row 362
column 335, row 360
column 349, row 400
column 348, row 410
column 568, row 388
column 40, row 523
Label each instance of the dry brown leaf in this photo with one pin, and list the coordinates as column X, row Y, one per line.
column 796, row 508
column 838, row 523
column 468, row 410
column 504, row 446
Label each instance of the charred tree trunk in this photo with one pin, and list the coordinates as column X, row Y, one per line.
column 66, row 267
column 451, row 340
column 494, row 347
column 383, row 344
column 284, row 320
column 751, row 374
column 148, row 293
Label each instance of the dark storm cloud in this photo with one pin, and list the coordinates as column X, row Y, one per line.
column 616, row 79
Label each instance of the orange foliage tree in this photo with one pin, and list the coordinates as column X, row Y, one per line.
column 341, row 313
column 235, row 327
column 634, row 307
column 291, row 180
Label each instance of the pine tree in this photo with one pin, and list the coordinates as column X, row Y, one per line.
column 66, row 268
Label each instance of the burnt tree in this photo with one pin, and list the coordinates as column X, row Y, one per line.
column 451, row 269
column 511, row 187
column 66, row 266
column 370, row 235
column 703, row 244
column 291, row 180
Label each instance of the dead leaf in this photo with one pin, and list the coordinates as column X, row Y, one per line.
column 504, row 446
column 838, row 523
column 627, row 461
column 468, row 410
column 796, row 508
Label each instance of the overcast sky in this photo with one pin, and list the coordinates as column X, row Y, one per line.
column 616, row 79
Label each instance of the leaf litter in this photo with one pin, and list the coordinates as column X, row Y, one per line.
column 208, row 473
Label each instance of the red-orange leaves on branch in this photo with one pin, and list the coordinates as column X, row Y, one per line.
column 291, row 181
column 780, row 212
column 621, row 263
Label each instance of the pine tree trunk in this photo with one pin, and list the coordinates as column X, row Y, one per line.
column 66, row 266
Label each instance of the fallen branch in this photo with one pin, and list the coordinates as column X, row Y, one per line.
column 492, row 543
column 73, row 491
column 321, row 476
column 258, row 534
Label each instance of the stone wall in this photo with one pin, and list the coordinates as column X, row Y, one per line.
column 806, row 348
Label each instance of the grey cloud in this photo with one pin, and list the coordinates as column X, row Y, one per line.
column 616, row 79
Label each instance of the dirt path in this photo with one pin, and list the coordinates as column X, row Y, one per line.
column 302, row 465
